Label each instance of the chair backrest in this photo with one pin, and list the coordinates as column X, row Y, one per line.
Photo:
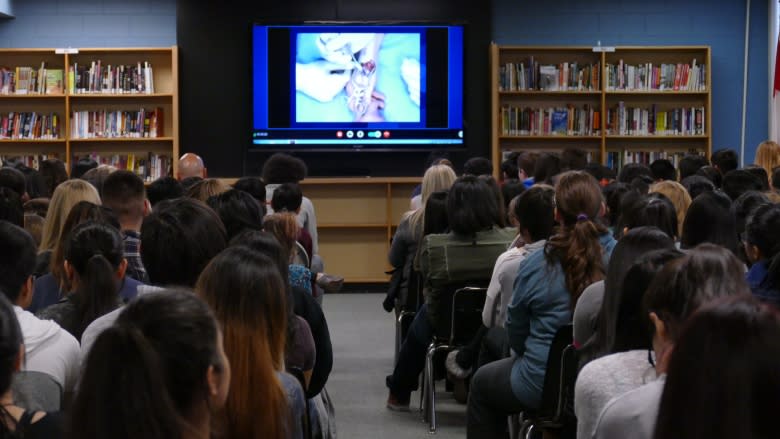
column 467, row 304
column 301, row 257
column 36, row 391
column 557, row 404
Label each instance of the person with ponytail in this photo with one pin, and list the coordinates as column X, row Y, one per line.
column 95, row 266
column 248, row 296
column 158, row 373
column 547, row 287
column 761, row 241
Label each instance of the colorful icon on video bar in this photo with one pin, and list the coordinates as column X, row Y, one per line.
column 376, row 134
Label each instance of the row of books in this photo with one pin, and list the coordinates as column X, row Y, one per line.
column 532, row 75
column 149, row 167
column 553, row 121
column 664, row 77
column 28, row 80
column 616, row 159
column 117, row 79
column 29, row 125
column 31, row 161
column 116, row 124
column 627, row 121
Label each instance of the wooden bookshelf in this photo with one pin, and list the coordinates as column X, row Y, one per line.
column 605, row 142
column 68, row 146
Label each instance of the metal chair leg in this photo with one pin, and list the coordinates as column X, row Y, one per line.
column 529, row 433
column 430, row 388
column 424, row 394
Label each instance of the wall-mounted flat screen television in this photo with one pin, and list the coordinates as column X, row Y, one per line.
column 357, row 85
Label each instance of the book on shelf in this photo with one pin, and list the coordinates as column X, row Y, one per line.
column 53, row 82
column 117, row 124
column 100, row 78
column 149, row 167
column 29, row 126
column 31, row 161
column 565, row 76
column 569, row 120
column 637, row 121
column 645, row 156
column 649, row 77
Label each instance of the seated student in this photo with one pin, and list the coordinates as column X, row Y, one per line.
column 620, row 344
column 97, row 177
column 81, row 166
column 179, row 238
column 53, row 173
column 191, row 165
column 509, row 170
column 739, row 181
column 742, row 208
column 548, row 283
column 761, row 173
column 436, row 158
column 547, row 166
column 254, row 186
column 238, row 210
column 768, row 155
column 709, row 219
column 205, row 188
column 573, row 159
column 48, row 348
column 613, row 195
column 681, row 287
column 478, row 166
column 647, row 210
column 691, row 163
column 164, row 188
column 678, row 195
column 761, row 241
column 247, row 295
column 732, row 344
column 189, row 182
column 712, row 174
column 284, row 227
column 159, row 372
column 13, row 179
column 526, row 164
column 697, row 185
column 534, row 213
column 631, row 171
column 94, row 265
column 11, row 208
column 725, row 160
column 663, row 170
column 467, row 253
column 17, row 421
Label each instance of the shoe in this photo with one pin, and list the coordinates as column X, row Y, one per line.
column 397, row 405
column 330, row 283
column 454, row 368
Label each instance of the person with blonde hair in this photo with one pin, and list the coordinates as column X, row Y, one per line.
column 768, row 156
column 679, row 197
column 206, row 188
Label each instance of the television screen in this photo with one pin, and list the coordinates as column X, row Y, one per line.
column 384, row 86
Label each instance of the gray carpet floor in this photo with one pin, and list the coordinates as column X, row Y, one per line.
column 363, row 339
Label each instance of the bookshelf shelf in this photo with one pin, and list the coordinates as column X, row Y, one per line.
column 144, row 68
column 630, row 89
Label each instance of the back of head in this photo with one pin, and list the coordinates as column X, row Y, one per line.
column 187, row 183
column 697, row 185
column 510, row 189
column 437, row 178
column 37, row 206
column 151, row 365
column 238, row 211
column 13, row 179
column 744, row 206
column 81, row 166
column 650, row 210
column 496, row 190
column 763, row 232
column 254, row 186
column 34, row 183
column 435, row 219
column 678, row 195
column 97, row 176
column 509, row 166
column 526, row 163
column 33, row 224
column 547, row 166
column 691, row 163
column 164, row 188
column 576, row 243
column 478, row 166
column 710, row 219
column 17, row 259
column 762, row 175
column 734, row 345
column 573, row 159
column 534, row 211
column 287, row 198
column 125, row 194
column 631, row 171
column 768, row 155
column 284, row 227
column 65, row 197
column 11, row 341
column 613, row 194
column 208, row 187
column 179, row 238
column 265, row 243
column 191, row 165
column 663, row 169
column 704, row 273
column 712, row 174
column 739, row 181
column 11, row 208
column 283, row 168
column 471, row 206
column 248, row 296
column 725, row 160
column 53, row 173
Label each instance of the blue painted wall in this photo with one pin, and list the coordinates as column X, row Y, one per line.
column 89, row 23
column 720, row 25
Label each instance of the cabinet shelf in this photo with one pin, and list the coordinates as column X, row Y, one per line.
column 119, row 95
column 120, row 139
column 31, row 96
column 6, row 141
column 550, row 92
column 553, row 138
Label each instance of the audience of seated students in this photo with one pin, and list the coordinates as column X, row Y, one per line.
column 478, row 166
column 732, row 344
column 690, row 163
column 247, row 294
column 526, row 166
column 18, row 421
column 654, row 209
column 534, row 213
column 712, row 174
column 593, row 329
column 53, row 173
column 159, row 371
column 466, row 254
column 97, row 176
column 725, row 160
column 663, row 170
column 709, row 219
column 548, row 284
column 55, row 285
column 48, row 348
column 761, row 242
column 95, row 268
column 81, row 166
column 573, row 159
column 191, row 165
column 768, row 156
column 179, row 238
column 679, row 197
column 164, row 188
column 405, row 242
column 205, row 188
column 509, row 170
column 65, row 196
column 238, row 211
column 739, row 181
column 742, row 208
column 547, row 166
column 124, row 193
column 681, row 287
column 254, row 186
column 11, row 208
column 615, row 359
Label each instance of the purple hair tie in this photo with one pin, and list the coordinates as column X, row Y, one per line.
column 582, row 217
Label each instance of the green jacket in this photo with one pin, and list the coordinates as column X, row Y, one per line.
column 448, row 259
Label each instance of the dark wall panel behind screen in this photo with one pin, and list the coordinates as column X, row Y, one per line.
column 215, row 88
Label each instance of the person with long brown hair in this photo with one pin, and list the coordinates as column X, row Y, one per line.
column 547, row 287
column 247, row 294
